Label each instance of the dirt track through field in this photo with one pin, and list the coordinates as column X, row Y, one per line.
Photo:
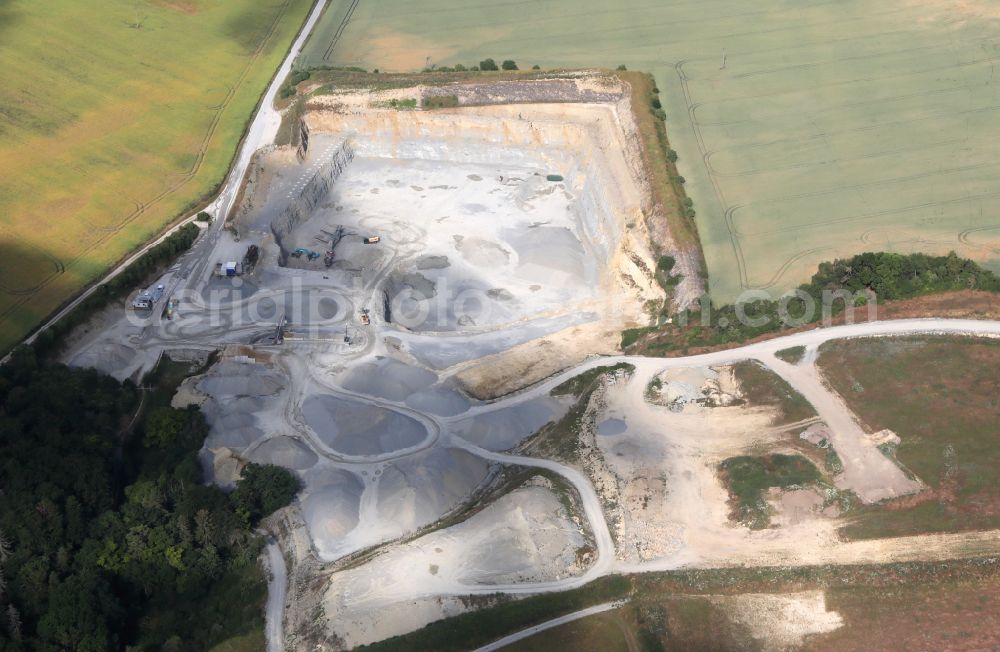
column 869, row 473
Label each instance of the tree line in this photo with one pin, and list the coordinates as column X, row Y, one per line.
column 878, row 276
column 120, row 286
column 109, row 540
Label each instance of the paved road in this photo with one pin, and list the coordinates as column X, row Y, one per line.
column 260, row 133
column 549, row 624
column 192, row 267
column 277, row 585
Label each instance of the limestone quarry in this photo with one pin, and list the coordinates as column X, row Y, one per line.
column 408, row 264
column 409, row 286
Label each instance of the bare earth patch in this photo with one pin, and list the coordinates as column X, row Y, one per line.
column 781, row 621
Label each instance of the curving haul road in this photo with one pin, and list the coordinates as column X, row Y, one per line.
column 591, row 504
column 763, row 351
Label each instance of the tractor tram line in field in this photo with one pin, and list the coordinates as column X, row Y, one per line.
column 141, row 207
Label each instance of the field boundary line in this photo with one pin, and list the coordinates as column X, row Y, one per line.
column 717, row 187
column 340, row 30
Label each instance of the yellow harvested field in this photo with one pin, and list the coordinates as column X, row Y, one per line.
column 115, row 117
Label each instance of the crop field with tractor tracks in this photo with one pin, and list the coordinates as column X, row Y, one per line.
column 806, row 131
column 115, row 117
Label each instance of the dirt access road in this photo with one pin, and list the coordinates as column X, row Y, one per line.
column 549, row 624
column 907, row 548
column 277, row 588
column 717, row 547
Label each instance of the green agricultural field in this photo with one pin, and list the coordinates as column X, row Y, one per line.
column 806, row 131
column 115, row 116
column 942, row 397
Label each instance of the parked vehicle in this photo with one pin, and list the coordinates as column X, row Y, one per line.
column 147, row 298
column 171, row 307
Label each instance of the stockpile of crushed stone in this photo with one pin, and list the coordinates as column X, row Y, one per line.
column 285, row 451
column 505, row 428
column 331, row 504
column 355, row 428
column 230, row 379
column 419, row 489
column 387, row 378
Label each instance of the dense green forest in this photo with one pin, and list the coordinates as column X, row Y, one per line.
column 108, row 538
column 889, row 276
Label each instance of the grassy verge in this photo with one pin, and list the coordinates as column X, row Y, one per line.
column 288, row 131
column 660, row 160
column 471, row 630
column 560, row 439
column 669, row 199
column 144, row 269
column 747, row 478
column 632, row 335
column 441, row 102
column 761, row 386
column 577, row 385
column 604, row 632
column 831, row 462
column 792, row 355
column 940, row 396
column 168, row 375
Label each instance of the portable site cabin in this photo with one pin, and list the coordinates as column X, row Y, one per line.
column 230, row 268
